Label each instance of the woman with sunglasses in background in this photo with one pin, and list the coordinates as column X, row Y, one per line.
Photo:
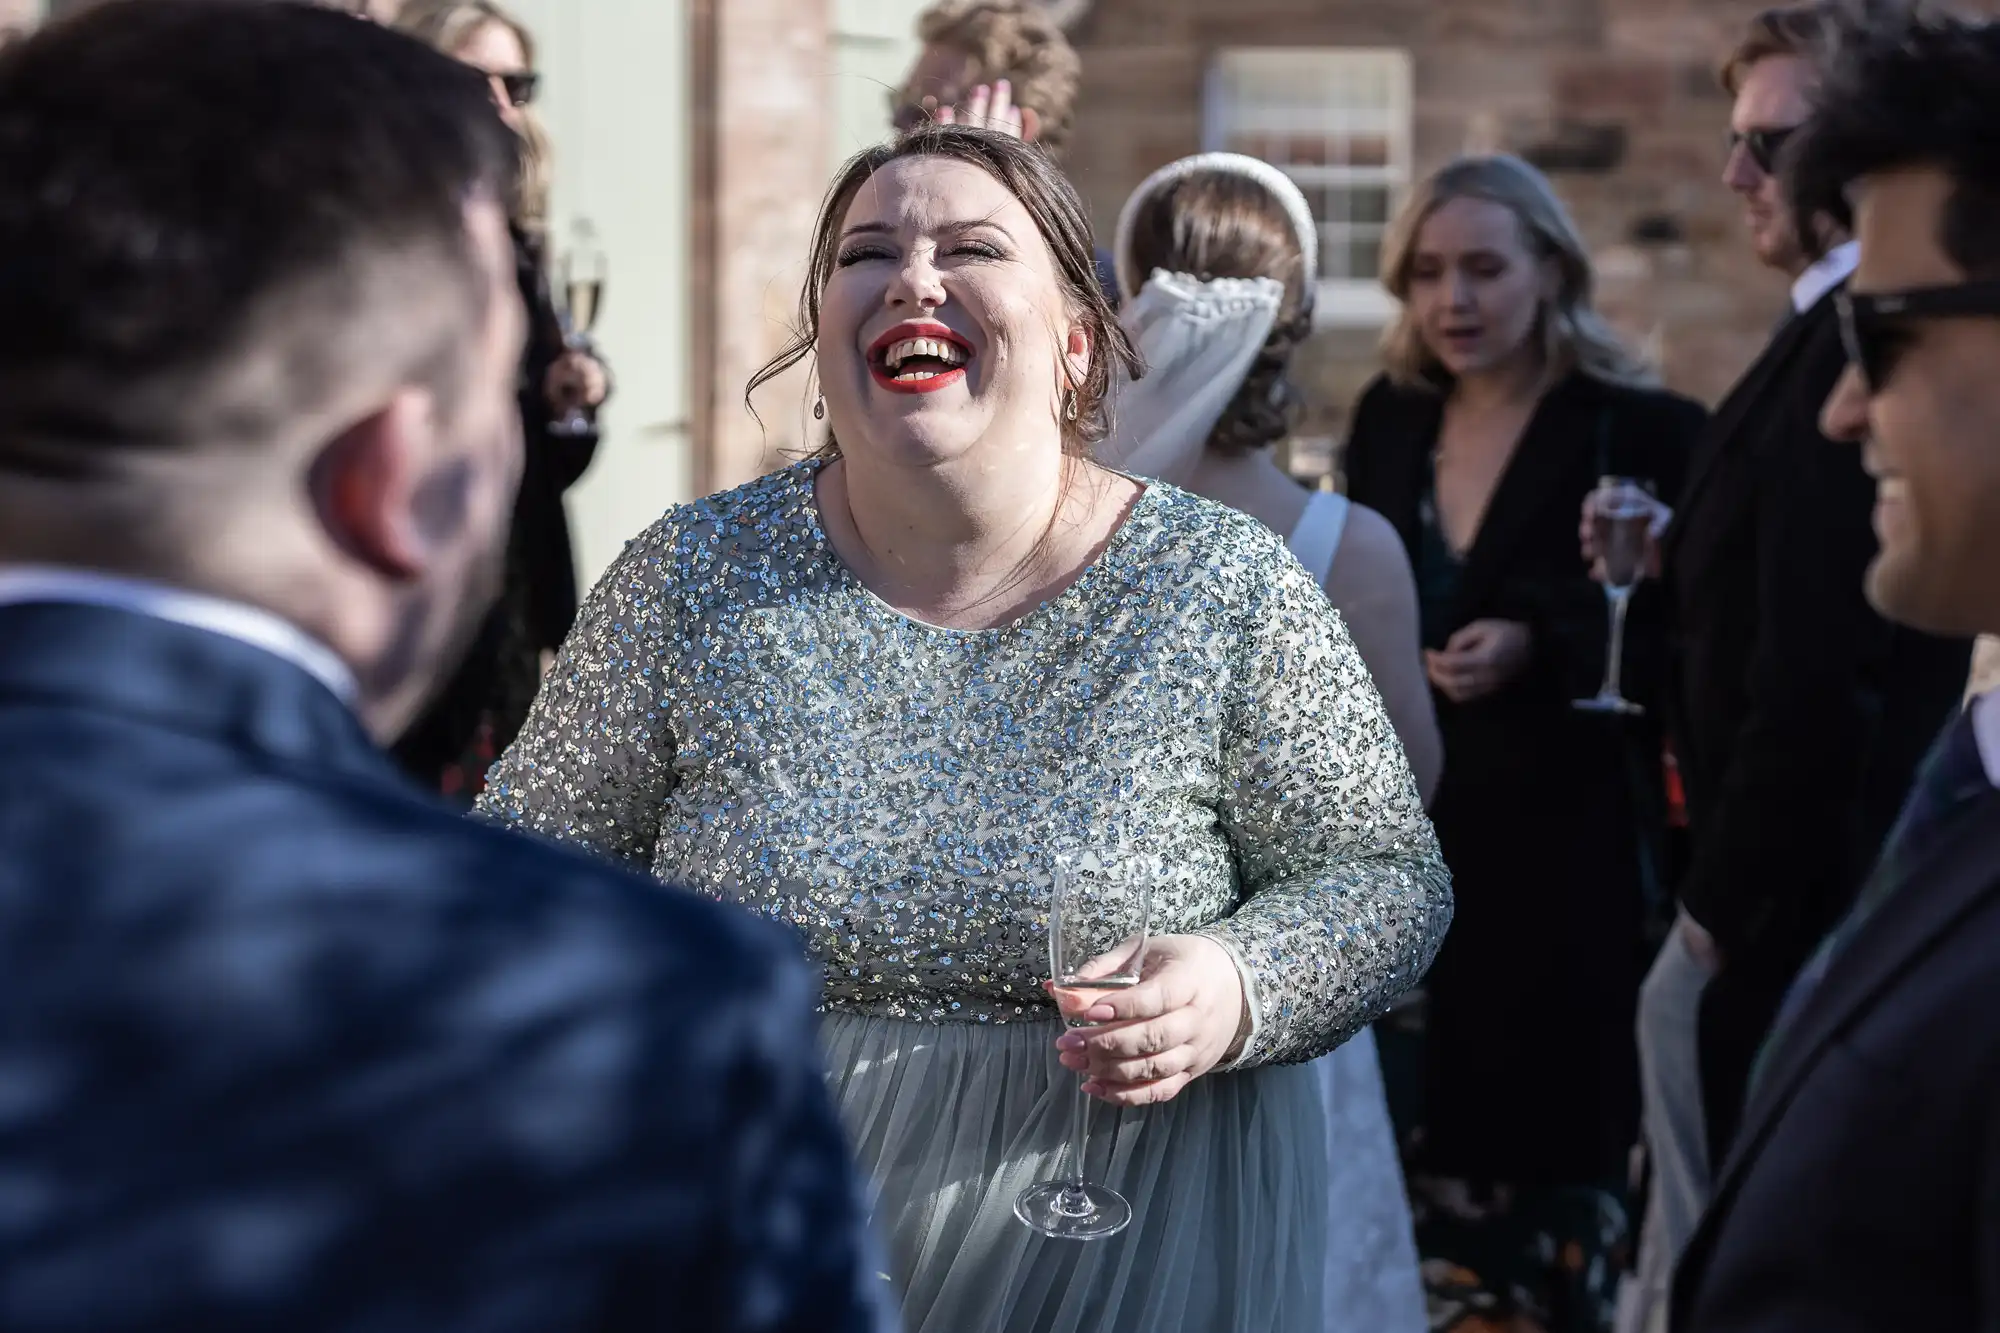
column 479, row 712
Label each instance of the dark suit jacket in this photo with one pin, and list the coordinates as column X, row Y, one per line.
column 1546, row 815
column 1802, row 714
column 1863, row 1195
column 286, row 1045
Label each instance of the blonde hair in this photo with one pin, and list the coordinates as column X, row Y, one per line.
column 447, row 25
column 1574, row 335
column 1019, row 41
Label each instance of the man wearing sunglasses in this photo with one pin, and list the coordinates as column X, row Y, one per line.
column 1864, row 1188
column 1800, row 713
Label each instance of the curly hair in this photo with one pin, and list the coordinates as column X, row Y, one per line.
column 1220, row 224
column 1019, row 41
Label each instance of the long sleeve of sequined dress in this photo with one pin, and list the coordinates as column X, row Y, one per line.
column 737, row 714
column 1345, row 898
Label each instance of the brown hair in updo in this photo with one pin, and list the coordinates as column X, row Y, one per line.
column 1031, row 176
column 1217, row 224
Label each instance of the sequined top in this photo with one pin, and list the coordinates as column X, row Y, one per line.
column 737, row 713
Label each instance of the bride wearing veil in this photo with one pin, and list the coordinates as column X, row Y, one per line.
column 1216, row 256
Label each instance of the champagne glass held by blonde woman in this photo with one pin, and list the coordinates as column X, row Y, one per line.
column 483, row 707
column 879, row 693
column 1217, row 255
column 1504, row 399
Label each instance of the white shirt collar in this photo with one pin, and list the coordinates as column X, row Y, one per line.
column 234, row 620
column 1832, row 269
column 1986, row 731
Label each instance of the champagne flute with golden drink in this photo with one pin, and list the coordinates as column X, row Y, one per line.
column 583, row 273
column 1622, row 524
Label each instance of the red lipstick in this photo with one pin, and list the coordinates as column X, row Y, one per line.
column 917, row 330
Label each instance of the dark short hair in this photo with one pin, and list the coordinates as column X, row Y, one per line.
column 1802, row 30
column 1911, row 90
column 1031, row 176
column 186, row 182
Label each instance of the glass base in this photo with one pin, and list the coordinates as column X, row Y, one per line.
column 1070, row 1210
column 1610, row 703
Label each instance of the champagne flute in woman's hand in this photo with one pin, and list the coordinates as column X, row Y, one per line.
column 1092, row 900
column 1622, row 514
column 583, row 275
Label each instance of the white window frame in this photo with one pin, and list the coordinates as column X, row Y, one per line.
column 1342, row 301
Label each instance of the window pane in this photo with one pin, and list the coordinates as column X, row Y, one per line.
column 1364, row 255
column 1303, row 151
column 1250, row 144
column 1333, row 252
column 1368, row 203
column 1368, row 150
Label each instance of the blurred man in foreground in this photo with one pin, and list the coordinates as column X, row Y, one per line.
column 284, row 1044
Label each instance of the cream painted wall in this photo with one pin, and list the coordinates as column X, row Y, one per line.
column 874, row 44
column 616, row 100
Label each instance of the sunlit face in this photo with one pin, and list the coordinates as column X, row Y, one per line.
column 945, row 327
column 1930, row 430
column 1775, row 95
column 496, row 49
column 1475, row 288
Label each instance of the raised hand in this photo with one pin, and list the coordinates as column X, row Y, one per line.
column 993, row 108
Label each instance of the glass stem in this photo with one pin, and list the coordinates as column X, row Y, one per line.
column 1079, row 1137
column 1614, row 663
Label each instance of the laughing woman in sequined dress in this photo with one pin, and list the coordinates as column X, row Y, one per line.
column 877, row 693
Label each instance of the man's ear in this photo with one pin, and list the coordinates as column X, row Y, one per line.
column 366, row 484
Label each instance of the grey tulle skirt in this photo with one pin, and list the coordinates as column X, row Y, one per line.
column 1228, row 1184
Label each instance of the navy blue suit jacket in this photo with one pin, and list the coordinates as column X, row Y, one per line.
column 1863, row 1193
column 285, row 1045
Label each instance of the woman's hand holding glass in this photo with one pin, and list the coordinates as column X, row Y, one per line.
column 1587, row 535
column 1183, row 1019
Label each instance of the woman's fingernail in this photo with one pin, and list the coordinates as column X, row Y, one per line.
column 1093, row 1089
column 1070, row 1041
column 1102, row 1013
column 1074, row 1060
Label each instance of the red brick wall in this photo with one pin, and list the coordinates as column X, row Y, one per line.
column 1488, row 73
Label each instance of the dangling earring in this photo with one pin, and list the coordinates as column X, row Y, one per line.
column 1070, row 407
column 819, row 409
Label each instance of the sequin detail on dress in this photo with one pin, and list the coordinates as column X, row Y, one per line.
column 736, row 713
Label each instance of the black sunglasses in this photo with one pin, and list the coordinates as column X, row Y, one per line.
column 1870, row 321
column 520, row 87
column 1762, row 145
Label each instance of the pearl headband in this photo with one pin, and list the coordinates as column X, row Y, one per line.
column 1263, row 173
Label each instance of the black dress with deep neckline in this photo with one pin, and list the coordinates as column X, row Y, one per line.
column 1549, row 817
